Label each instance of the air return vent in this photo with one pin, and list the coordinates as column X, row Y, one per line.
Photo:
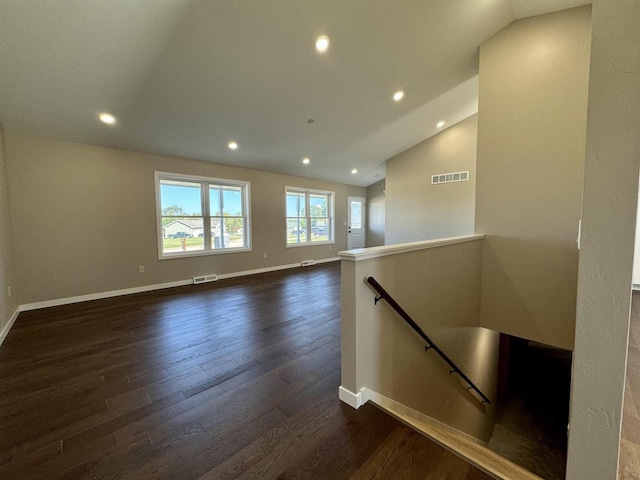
column 205, row 279
column 308, row 263
column 450, row 177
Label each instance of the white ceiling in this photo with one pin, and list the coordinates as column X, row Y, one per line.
column 184, row 77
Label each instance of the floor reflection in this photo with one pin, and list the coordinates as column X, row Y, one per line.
column 629, row 467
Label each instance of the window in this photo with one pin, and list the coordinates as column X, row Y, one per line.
column 201, row 216
column 309, row 217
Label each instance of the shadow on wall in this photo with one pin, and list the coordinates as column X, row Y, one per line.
column 529, row 289
column 376, row 205
column 440, row 289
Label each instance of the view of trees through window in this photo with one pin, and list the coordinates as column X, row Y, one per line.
column 309, row 215
column 189, row 208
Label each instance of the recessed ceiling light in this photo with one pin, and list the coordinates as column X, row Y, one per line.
column 399, row 95
column 354, row 171
column 233, row 145
column 440, row 124
column 107, row 118
column 322, row 43
column 306, row 161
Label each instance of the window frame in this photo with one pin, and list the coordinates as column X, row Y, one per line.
column 330, row 216
column 205, row 184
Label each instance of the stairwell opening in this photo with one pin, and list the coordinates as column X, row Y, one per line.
column 533, row 406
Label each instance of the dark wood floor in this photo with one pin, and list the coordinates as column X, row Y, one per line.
column 629, row 467
column 234, row 379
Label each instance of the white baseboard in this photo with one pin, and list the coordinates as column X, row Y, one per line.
column 244, row 273
column 146, row 288
column 7, row 327
column 97, row 296
column 256, row 271
column 397, row 409
column 328, row 260
column 354, row 400
column 149, row 288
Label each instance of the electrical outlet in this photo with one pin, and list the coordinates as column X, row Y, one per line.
column 265, row 255
column 141, row 269
column 9, row 291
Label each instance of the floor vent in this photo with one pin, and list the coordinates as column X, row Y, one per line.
column 308, row 263
column 205, row 279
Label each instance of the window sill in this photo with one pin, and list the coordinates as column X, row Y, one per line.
column 199, row 253
column 310, row 244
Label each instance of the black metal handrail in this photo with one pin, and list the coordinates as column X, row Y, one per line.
column 430, row 345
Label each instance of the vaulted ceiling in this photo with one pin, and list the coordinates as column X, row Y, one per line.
column 186, row 77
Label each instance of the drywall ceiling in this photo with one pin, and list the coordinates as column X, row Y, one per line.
column 185, row 77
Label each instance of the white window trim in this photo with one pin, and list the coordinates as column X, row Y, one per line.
column 158, row 176
column 331, row 211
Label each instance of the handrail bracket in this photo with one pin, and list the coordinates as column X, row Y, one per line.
column 383, row 295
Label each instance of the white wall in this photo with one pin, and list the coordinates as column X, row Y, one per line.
column 606, row 255
column 418, row 210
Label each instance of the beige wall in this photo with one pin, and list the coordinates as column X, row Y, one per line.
column 534, row 78
column 7, row 277
column 440, row 288
column 84, row 218
column 604, row 275
column 375, row 214
column 418, row 210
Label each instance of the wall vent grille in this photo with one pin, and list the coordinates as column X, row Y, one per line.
column 205, row 279
column 308, row 263
column 450, row 177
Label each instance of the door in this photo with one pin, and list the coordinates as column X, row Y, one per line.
column 355, row 222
